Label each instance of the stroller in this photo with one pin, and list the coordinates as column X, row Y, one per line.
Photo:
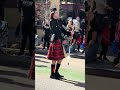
column 3, row 36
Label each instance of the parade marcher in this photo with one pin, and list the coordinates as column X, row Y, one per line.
column 55, row 52
column 46, row 29
column 27, row 7
column 105, row 42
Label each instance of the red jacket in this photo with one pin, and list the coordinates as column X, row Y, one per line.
column 106, row 36
column 79, row 41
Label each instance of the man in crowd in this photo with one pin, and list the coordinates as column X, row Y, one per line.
column 27, row 7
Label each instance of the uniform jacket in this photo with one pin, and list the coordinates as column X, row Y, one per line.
column 57, row 29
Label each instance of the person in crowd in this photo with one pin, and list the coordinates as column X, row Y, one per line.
column 70, row 27
column 47, row 32
column 117, row 42
column 27, row 7
column 90, row 31
column 102, row 9
column 77, row 28
column 105, row 42
column 79, row 42
column 84, row 42
column 90, row 9
column 55, row 52
column 82, row 32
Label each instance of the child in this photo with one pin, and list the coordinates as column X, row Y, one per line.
column 105, row 39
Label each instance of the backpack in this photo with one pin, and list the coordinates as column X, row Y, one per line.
column 117, row 33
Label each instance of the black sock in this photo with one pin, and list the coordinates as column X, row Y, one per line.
column 52, row 69
column 57, row 68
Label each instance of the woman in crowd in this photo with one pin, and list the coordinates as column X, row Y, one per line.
column 105, row 42
column 46, row 28
column 91, row 33
column 70, row 27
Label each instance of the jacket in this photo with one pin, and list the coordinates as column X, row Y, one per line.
column 57, row 29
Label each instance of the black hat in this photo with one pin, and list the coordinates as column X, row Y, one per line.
column 53, row 9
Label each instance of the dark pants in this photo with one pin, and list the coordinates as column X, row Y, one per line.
column 46, row 40
column 99, row 21
column 78, row 47
column 91, row 53
column 17, row 32
column 28, row 31
column 104, row 50
column 1, row 13
column 76, row 35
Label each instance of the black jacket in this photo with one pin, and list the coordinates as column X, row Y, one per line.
column 28, row 8
column 47, row 31
column 57, row 29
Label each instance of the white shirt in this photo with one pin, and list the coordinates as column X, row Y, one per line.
column 77, row 25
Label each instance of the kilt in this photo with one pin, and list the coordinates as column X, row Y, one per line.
column 55, row 51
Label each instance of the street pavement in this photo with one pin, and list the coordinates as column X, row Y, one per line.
column 74, row 73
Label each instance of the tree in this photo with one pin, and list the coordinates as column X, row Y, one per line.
column 42, row 9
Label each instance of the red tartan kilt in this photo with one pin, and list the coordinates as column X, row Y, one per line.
column 55, row 51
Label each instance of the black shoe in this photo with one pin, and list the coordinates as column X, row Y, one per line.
column 20, row 54
column 100, row 59
column 54, row 76
column 58, row 75
column 106, row 59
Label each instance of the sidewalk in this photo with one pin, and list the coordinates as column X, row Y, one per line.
column 104, row 69
column 13, row 73
column 74, row 73
column 101, row 83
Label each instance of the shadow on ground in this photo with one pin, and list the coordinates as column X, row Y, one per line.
column 12, row 73
column 9, row 81
column 15, row 61
column 76, row 83
column 40, row 66
column 41, row 61
column 103, row 69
